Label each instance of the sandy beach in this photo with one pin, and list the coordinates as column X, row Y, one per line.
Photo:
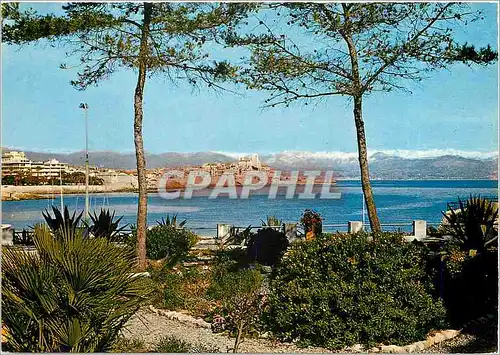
column 15, row 193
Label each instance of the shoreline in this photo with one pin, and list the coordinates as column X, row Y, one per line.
column 40, row 192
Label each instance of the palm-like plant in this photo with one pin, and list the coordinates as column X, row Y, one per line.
column 62, row 222
column 473, row 224
column 104, row 225
column 75, row 294
column 171, row 221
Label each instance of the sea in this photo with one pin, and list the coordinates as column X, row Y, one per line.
column 398, row 204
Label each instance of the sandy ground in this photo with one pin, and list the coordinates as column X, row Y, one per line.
column 12, row 193
column 150, row 327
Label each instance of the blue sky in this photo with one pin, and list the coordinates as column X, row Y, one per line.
column 455, row 109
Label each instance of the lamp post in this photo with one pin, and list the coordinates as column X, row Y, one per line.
column 85, row 108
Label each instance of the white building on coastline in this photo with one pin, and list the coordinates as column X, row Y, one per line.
column 16, row 163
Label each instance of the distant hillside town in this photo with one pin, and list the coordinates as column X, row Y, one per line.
column 118, row 168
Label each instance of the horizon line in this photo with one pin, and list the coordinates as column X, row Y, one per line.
column 323, row 154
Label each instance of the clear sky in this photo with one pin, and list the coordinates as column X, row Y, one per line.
column 455, row 109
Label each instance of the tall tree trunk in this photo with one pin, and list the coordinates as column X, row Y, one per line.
column 142, row 208
column 357, row 94
column 363, row 165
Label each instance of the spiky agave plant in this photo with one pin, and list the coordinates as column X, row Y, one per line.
column 472, row 225
column 104, row 225
column 171, row 221
column 62, row 223
column 73, row 295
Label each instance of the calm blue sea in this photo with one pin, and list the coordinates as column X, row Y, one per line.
column 397, row 202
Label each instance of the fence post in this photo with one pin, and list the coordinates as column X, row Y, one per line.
column 291, row 231
column 354, row 226
column 419, row 229
column 223, row 232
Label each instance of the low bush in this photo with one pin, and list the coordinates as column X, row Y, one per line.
column 170, row 344
column 471, row 286
column 267, row 246
column 182, row 289
column 170, row 243
column 241, row 303
column 339, row 290
column 124, row 345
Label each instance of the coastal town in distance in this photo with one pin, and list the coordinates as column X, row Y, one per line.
column 250, row 177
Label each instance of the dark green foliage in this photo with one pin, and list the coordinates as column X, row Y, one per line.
column 239, row 293
column 124, row 345
column 472, row 226
column 171, row 344
column 104, row 225
column 73, row 295
column 173, row 297
column 267, row 246
column 170, row 243
column 468, row 54
column 171, row 221
column 8, row 180
column 237, row 236
column 339, row 290
column 106, row 37
column 62, row 223
column 228, row 260
column 471, row 290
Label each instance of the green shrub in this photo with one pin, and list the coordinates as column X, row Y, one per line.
column 73, row 295
column 267, row 246
column 170, row 344
column 339, row 290
column 182, row 289
column 173, row 297
column 124, row 345
column 169, row 243
column 471, row 286
column 239, row 294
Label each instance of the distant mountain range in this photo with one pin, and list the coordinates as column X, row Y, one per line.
column 433, row 164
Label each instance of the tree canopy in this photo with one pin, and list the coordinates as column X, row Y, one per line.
column 393, row 42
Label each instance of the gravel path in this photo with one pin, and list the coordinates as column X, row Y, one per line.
column 480, row 337
column 150, row 328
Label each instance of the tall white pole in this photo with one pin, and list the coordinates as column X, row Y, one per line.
column 85, row 108
column 60, row 182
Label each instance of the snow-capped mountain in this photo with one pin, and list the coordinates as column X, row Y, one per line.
column 384, row 164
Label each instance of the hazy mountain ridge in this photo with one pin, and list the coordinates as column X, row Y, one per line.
column 383, row 164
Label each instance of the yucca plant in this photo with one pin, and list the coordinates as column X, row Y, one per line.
column 62, row 221
column 104, row 225
column 472, row 225
column 73, row 295
column 236, row 236
column 171, row 221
